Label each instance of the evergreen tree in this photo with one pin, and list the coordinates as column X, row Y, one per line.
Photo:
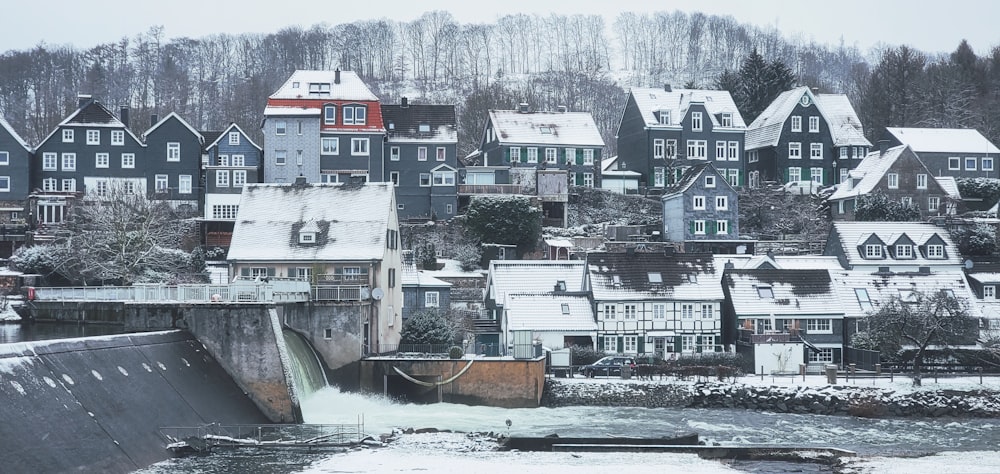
column 428, row 327
column 878, row 207
column 510, row 220
column 756, row 84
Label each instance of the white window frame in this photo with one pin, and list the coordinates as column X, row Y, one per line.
column 843, row 153
column 161, row 183
column 794, row 150
column 658, row 148
column 727, row 119
column 611, row 343
column 102, row 160
column 443, row 178
column 394, row 153
column 873, row 251
column 819, row 326
column 359, row 147
column 329, row 114
column 687, row 310
column 4, row 183
column 239, row 178
column 721, row 203
column 935, row 251
column 329, row 145
column 816, row 175
column 117, row 137
column 720, row 150
column 970, row 163
column 904, row 251
column 697, row 149
column 954, row 163
column 629, row 312
column 67, row 135
column 234, row 138
column 825, row 356
column 184, row 184
column 570, row 156
column 630, row 344
column 794, row 174
column 128, row 160
column 69, row 185
column 934, row 204
column 173, row 151
column 987, row 164
column 551, row 156
column 50, row 184
column 733, row 151
column 921, row 181
column 659, row 310
column 394, row 178
column 69, row 161
column 425, row 180
column 796, row 123
column 422, row 153
column 699, row 227
column 432, row 299
column 696, row 121
column 588, row 156
column 610, row 312
column 532, row 154
column 815, row 151
column 698, row 203
column 222, row 178
column 892, row 180
column 515, row 154
column 709, row 181
column 671, row 149
column 689, row 343
column 990, row 291
column 280, row 127
column 93, row 137
column 721, row 227
column 814, row 124
column 588, row 180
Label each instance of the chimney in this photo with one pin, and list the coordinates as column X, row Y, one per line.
column 153, row 118
column 123, row 116
column 404, row 103
column 336, row 76
column 815, row 90
column 562, row 109
column 82, row 100
column 300, row 180
column 729, row 265
column 667, row 88
column 883, row 146
column 522, row 107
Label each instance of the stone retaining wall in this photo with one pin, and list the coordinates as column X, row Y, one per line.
column 828, row 400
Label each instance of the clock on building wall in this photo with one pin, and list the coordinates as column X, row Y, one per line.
column 805, row 100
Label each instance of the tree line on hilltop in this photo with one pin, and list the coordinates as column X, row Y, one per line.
column 578, row 61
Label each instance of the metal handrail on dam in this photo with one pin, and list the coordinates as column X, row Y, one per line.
column 282, row 291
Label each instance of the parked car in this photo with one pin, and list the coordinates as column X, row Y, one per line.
column 607, row 366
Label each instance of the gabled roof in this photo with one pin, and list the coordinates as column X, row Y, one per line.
column 943, row 140
column 411, row 276
column 93, row 114
column 13, row 133
column 403, row 123
column 352, row 219
column 350, row 87
column 178, row 118
column 648, row 275
column 545, row 128
column 692, row 175
column 836, row 109
column 771, row 291
column 869, row 172
column 210, row 138
column 533, row 276
column 544, row 312
column 609, row 168
column 678, row 101
column 949, row 185
column 851, row 235
column 225, row 133
column 882, row 287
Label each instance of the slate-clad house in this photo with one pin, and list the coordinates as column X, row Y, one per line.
column 805, row 139
column 794, row 313
column 955, row 152
column 421, row 290
column 326, row 126
column 421, row 159
column 344, row 238
column 230, row 160
column 562, row 140
column 984, row 280
column 15, row 159
column 656, row 302
column 702, row 207
column 664, row 131
column 90, row 152
column 893, row 247
column 900, row 175
column 172, row 162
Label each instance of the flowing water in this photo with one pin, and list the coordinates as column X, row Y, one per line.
column 306, row 368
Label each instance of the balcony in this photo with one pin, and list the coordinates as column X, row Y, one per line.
column 748, row 336
column 475, row 189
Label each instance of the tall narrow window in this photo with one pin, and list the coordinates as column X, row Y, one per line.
column 173, row 151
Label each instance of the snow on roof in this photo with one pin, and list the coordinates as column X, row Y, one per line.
column 949, row 185
column 852, row 235
column 225, row 133
column 836, row 109
column 453, row 269
column 13, row 133
column 180, row 119
column 549, row 312
column 769, row 291
column 639, row 275
column 546, row 128
column 350, row 87
column 411, row 276
column 985, row 277
column 943, row 140
column 562, row 243
column 691, row 176
column 272, row 110
column 868, row 173
column 879, row 288
column 533, row 276
column 678, row 101
column 352, row 219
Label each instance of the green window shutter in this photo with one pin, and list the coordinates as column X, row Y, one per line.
column 621, row 343
column 677, row 343
column 245, row 271
column 507, row 154
column 691, row 225
column 697, row 343
column 710, row 227
column 786, row 175
column 579, row 156
column 642, row 344
column 579, row 179
column 739, row 177
column 808, row 174
column 600, row 343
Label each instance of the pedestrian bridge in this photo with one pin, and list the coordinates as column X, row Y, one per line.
column 239, row 291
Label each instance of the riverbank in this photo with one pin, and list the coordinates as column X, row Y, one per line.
column 948, row 397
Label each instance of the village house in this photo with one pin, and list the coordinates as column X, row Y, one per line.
column 701, row 210
column 955, row 152
column 901, row 176
column 656, row 302
column 617, row 179
column 421, row 291
column 15, row 162
column 896, row 247
column 343, row 238
column 805, row 140
column 230, row 160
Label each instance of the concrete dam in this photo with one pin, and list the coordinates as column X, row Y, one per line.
column 96, row 404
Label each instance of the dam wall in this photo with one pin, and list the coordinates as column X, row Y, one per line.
column 96, row 404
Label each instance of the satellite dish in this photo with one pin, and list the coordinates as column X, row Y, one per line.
column 377, row 294
column 968, row 264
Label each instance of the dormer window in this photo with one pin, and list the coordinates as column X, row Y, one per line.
column 616, row 280
column 319, row 88
column 904, row 251
column 565, row 308
column 307, row 237
column 935, row 251
column 727, row 119
column 664, row 117
column 560, row 285
column 873, row 251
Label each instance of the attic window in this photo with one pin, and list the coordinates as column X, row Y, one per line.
column 765, row 292
column 392, row 125
column 863, row 299
column 655, row 277
column 616, row 280
column 665, row 117
column 545, row 130
column 307, row 237
column 727, row 119
column 560, row 285
column 295, row 85
column 873, row 251
column 565, row 308
column 692, row 278
column 319, row 88
column 424, row 128
column 904, row 251
column 908, row 296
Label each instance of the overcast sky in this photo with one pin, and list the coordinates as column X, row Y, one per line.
column 931, row 27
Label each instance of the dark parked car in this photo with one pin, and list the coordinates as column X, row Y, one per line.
column 608, row 366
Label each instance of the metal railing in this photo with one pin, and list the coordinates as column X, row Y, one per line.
column 492, row 189
column 211, row 436
column 338, row 293
column 280, row 291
